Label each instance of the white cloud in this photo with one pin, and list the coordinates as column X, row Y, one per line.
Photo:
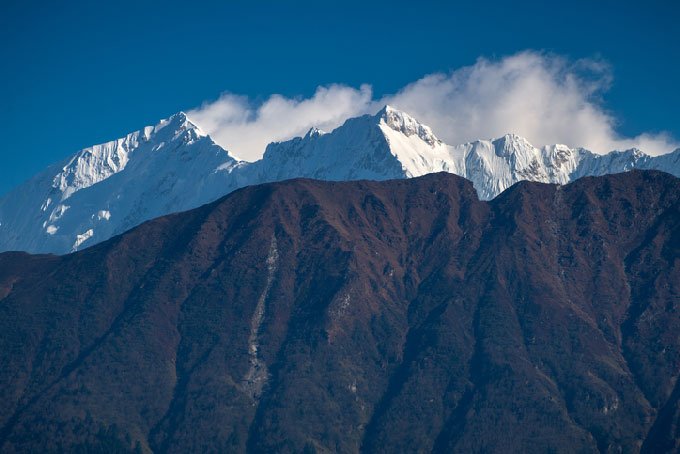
column 245, row 128
column 545, row 98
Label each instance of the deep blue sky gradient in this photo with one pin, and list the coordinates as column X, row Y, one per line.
column 73, row 74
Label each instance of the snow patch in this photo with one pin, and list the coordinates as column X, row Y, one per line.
column 80, row 239
column 103, row 214
column 46, row 204
column 58, row 212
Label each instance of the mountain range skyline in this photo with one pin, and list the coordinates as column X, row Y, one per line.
column 106, row 189
column 189, row 115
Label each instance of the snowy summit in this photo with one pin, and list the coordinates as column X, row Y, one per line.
column 106, row 189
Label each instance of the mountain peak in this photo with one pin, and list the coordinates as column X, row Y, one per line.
column 512, row 138
column 385, row 110
column 391, row 115
column 180, row 123
column 314, row 132
column 181, row 115
column 406, row 124
column 510, row 144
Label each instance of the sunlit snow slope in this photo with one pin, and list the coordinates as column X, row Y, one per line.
column 106, row 189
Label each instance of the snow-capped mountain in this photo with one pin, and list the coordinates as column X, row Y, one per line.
column 495, row 165
column 392, row 144
column 106, row 189
column 388, row 145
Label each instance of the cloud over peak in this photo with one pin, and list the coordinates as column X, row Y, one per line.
column 245, row 128
column 543, row 97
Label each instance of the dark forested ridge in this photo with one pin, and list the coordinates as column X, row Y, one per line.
column 398, row 316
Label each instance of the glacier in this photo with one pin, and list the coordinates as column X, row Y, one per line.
column 106, row 189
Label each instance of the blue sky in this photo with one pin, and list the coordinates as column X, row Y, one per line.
column 81, row 73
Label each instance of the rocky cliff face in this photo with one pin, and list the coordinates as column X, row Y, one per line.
column 313, row 316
